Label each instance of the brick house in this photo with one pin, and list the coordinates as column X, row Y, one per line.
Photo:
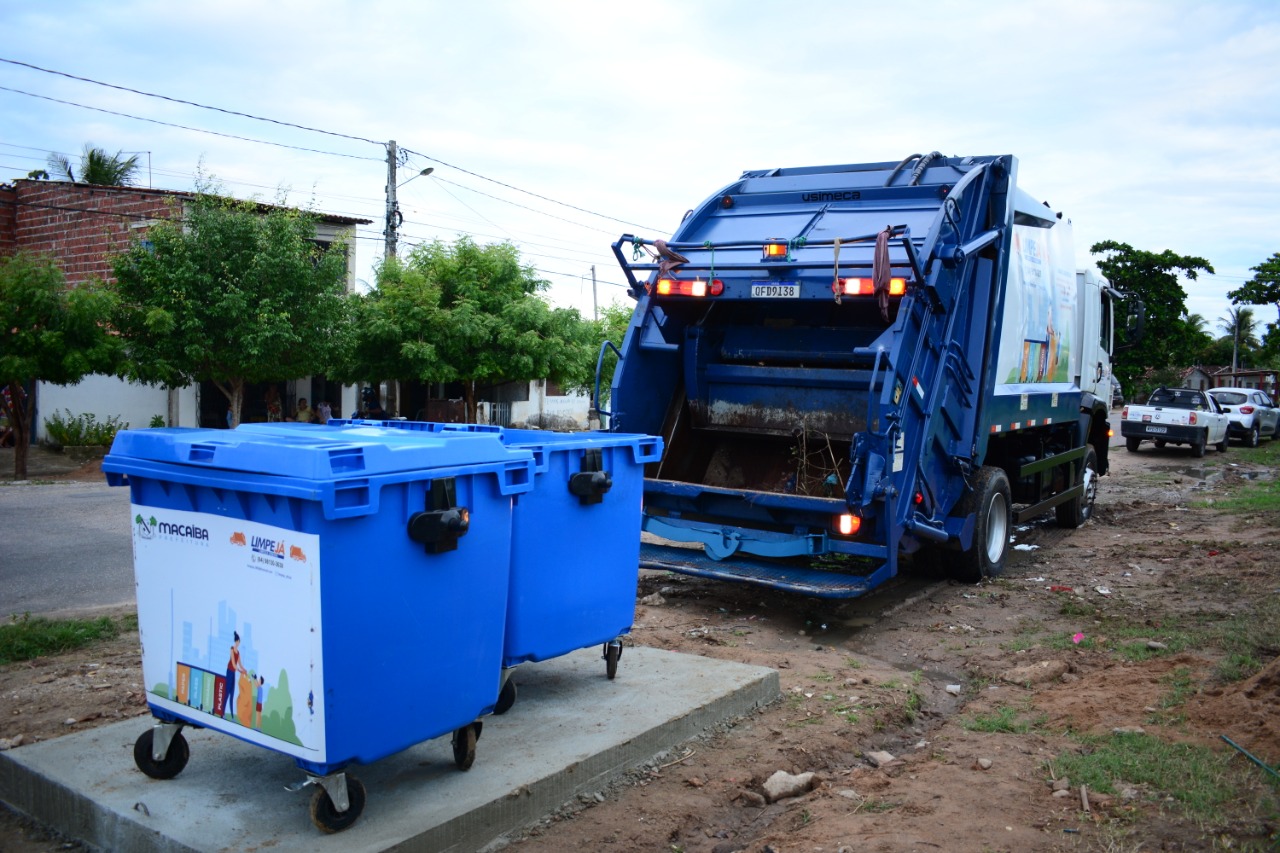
column 81, row 226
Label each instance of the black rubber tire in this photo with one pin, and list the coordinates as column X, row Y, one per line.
column 1159, row 443
column 1253, row 437
column 1131, row 444
column 1222, row 445
column 989, row 502
column 464, row 745
column 1077, row 511
column 173, row 763
column 329, row 819
column 506, row 698
column 612, row 653
column 1198, row 446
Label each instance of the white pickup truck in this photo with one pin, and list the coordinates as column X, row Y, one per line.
column 1176, row 416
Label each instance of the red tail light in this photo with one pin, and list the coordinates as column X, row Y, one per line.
column 1124, row 413
column 1192, row 420
column 1245, row 410
column 697, row 287
column 866, row 286
column 848, row 524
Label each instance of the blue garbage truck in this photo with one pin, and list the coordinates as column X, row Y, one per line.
column 854, row 364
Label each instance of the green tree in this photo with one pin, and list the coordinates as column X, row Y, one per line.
column 96, row 167
column 48, row 332
column 1168, row 339
column 1241, row 331
column 235, row 293
column 1263, row 288
column 472, row 314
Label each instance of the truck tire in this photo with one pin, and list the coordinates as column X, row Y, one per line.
column 1131, row 444
column 989, row 503
column 1222, row 445
column 1077, row 511
column 1198, row 446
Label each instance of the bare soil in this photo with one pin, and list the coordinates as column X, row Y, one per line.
column 909, row 671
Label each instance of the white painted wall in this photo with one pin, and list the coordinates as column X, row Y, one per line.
column 106, row 396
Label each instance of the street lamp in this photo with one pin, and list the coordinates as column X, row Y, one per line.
column 426, row 171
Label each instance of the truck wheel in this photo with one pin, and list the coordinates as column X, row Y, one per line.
column 1252, row 437
column 1198, row 446
column 1222, row 445
column 1131, row 444
column 989, row 504
column 1077, row 511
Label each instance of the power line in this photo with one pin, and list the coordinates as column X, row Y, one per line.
column 183, row 126
column 190, row 103
column 521, row 206
column 527, row 192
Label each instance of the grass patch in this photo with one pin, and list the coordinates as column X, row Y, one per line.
column 1202, row 782
column 1005, row 720
column 25, row 637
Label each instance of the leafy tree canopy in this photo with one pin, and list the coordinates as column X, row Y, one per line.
column 470, row 314
column 96, row 167
column 233, row 292
column 1152, row 277
column 1263, row 288
column 48, row 332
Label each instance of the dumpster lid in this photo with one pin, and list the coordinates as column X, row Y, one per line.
column 310, row 451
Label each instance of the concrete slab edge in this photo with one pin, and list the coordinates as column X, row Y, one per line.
column 490, row 826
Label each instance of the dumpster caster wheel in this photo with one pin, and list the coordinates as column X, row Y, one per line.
column 612, row 652
column 165, row 768
column 506, row 698
column 325, row 815
column 464, row 745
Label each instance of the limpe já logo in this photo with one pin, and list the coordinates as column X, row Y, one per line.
column 146, row 527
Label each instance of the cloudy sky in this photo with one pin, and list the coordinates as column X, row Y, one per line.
column 560, row 124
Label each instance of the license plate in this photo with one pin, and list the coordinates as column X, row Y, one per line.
column 1158, row 430
column 775, row 291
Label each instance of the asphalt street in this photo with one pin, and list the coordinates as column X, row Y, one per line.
column 64, row 546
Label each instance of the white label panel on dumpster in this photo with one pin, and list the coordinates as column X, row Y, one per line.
column 229, row 614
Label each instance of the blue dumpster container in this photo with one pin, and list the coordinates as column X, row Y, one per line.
column 576, row 537
column 333, row 594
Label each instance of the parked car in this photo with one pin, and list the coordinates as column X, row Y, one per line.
column 1176, row 416
column 1254, row 414
column 1117, row 393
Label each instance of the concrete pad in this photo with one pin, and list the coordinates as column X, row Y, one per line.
column 571, row 731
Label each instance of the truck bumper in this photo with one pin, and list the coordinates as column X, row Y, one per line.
column 1172, row 433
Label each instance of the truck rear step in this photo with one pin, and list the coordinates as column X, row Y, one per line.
column 770, row 573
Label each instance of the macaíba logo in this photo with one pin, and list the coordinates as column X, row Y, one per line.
column 146, row 526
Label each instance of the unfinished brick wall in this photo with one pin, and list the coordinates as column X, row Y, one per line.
column 79, row 224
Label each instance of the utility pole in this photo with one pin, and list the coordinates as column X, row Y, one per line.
column 595, row 304
column 393, row 207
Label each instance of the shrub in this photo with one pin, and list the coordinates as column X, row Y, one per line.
column 82, row 430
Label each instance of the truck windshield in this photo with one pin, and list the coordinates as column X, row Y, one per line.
column 1177, row 398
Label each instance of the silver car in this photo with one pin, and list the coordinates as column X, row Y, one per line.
column 1254, row 414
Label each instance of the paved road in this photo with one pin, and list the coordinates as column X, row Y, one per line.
column 64, row 546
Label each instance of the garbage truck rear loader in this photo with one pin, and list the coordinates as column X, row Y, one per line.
column 853, row 363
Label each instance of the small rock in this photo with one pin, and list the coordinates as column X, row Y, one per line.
column 782, row 785
column 849, row 794
column 599, row 797
column 954, row 689
column 1156, row 646
column 1128, row 793
column 1061, row 784
column 1036, row 673
column 694, row 782
column 69, row 721
column 1128, row 730
column 982, row 764
column 751, row 798
column 655, row 600
column 1062, row 795
column 880, row 758
column 11, row 742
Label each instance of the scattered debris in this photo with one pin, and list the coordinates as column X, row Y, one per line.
column 879, row 758
column 982, row 764
column 782, row 785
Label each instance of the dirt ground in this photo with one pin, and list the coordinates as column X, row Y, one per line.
column 1066, row 643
